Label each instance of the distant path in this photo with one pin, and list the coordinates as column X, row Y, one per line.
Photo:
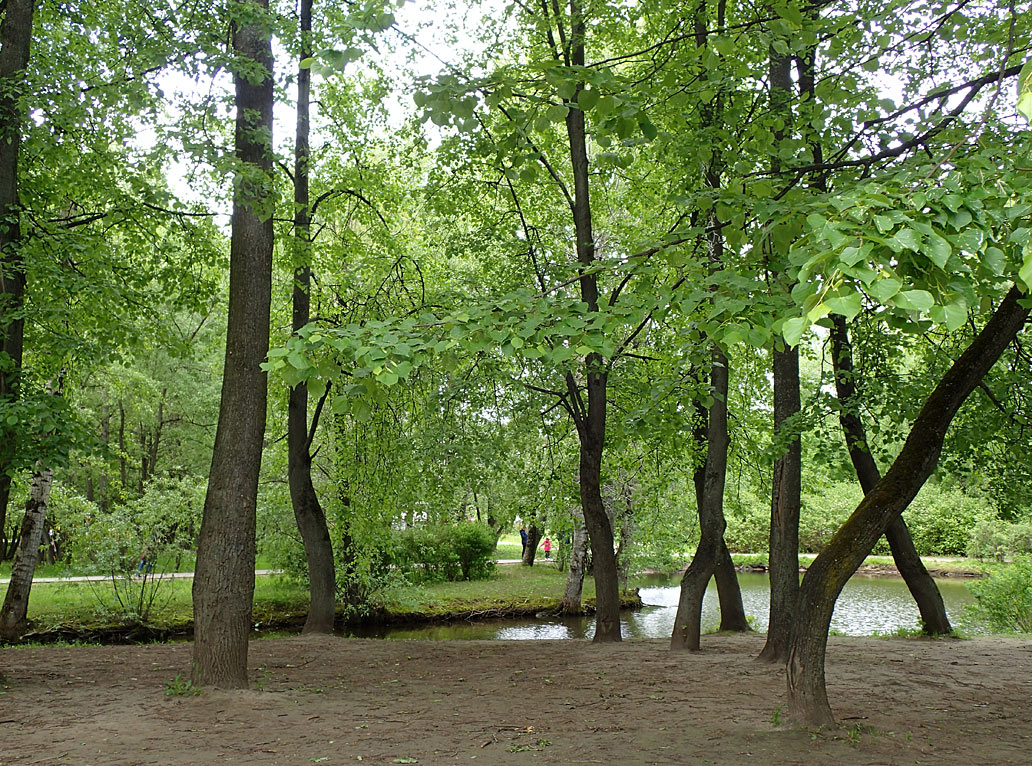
column 102, row 578
column 176, row 575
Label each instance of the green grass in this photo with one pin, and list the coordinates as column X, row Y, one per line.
column 509, row 547
column 90, row 606
column 510, row 585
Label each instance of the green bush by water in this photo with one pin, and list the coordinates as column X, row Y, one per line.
column 1004, row 598
column 441, row 552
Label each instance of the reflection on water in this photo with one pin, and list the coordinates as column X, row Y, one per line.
column 868, row 605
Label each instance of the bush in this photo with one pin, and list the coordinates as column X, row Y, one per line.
column 445, row 552
column 1004, row 599
column 942, row 520
column 1019, row 539
column 988, row 540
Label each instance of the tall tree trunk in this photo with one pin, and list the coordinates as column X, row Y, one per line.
column 15, row 40
column 688, row 621
column 530, row 549
column 590, row 416
column 934, row 620
column 223, row 588
column 807, row 694
column 785, row 489
column 732, row 611
column 571, row 601
column 784, row 509
column 311, row 520
column 16, row 603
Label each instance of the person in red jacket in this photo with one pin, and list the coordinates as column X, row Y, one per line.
column 547, row 545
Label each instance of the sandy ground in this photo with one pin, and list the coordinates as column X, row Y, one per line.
column 336, row 701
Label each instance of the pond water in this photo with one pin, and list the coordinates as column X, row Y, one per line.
column 868, row 605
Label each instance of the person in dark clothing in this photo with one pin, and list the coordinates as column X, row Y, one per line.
column 523, row 539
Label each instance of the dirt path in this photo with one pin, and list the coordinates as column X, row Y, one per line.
column 344, row 701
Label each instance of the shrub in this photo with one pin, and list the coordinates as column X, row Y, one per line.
column 942, row 520
column 445, row 552
column 1019, row 539
column 1004, row 599
column 989, row 539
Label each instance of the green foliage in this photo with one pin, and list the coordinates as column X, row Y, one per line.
column 996, row 539
column 445, row 552
column 942, row 519
column 1004, row 599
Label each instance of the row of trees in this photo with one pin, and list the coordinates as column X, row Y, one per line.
column 601, row 236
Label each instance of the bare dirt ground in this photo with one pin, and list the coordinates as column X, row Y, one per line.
column 343, row 701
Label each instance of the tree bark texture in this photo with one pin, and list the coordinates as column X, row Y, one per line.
column 688, row 621
column 934, row 620
column 15, row 42
column 308, row 512
column 572, row 593
column 223, row 588
column 530, row 549
column 807, row 693
column 784, row 509
column 16, row 603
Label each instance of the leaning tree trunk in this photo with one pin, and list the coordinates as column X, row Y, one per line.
column 711, row 549
column 223, row 588
column 807, row 693
column 921, row 584
column 308, row 512
column 571, row 601
column 784, row 509
column 16, row 603
column 15, row 40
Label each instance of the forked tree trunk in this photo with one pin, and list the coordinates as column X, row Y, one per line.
column 784, row 510
column 729, row 594
column 732, row 611
column 807, row 693
column 308, row 512
column 16, row 603
column 223, row 588
column 711, row 549
column 934, row 620
column 572, row 594
column 15, row 40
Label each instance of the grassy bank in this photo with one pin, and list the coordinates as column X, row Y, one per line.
column 138, row 609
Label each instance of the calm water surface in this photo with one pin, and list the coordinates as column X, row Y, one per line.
column 868, row 605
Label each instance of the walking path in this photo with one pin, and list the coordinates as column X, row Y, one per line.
column 102, row 578
column 172, row 575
